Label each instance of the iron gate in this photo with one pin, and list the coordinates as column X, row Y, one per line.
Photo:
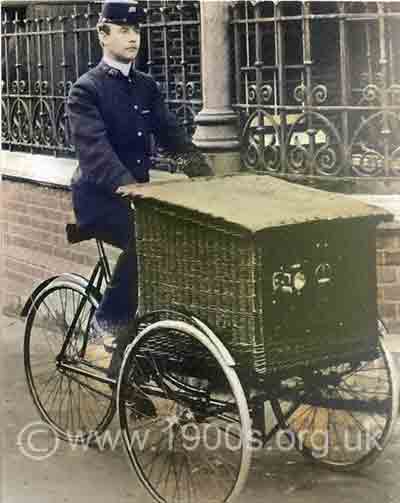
column 317, row 87
column 47, row 45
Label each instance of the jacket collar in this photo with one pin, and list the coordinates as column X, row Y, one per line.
column 124, row 68
column 114, row 72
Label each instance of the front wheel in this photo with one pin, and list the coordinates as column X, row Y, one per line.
column 343, row 416
column 184, row 418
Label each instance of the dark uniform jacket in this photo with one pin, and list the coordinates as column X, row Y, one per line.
column 111, row 119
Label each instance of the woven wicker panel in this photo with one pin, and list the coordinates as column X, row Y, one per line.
column 189, row 263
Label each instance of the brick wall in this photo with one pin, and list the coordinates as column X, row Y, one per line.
column 388, row 269
column 33, row 218
column 33, row 221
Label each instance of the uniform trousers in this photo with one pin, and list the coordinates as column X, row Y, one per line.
column 116, row 226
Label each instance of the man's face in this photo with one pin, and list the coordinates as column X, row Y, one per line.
column 122, row 43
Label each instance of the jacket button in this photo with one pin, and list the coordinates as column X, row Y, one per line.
column 139, row 133
column 135, row 107
column 139, row 161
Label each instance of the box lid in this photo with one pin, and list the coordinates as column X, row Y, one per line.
column 255, row 203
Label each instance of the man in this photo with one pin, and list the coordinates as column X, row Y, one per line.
column 113, row 111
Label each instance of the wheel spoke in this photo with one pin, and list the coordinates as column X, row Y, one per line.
column 75, row 406
column 197, row 413
column 354, row 407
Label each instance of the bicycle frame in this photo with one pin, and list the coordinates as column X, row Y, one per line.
column 101, row 274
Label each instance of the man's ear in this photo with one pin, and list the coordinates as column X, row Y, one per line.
column 101, row 34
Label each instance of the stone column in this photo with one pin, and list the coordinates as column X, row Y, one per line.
column 217, row 133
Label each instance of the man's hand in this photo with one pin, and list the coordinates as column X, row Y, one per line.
column 193, row 163
column 130, row 190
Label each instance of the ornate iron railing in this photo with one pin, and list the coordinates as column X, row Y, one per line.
column 318, row 87
column 47, row 45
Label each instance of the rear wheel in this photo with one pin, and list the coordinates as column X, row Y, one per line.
column 76, row 406
column 183, row 416
column 343, row 416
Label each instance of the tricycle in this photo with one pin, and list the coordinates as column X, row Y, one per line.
column 253, row 292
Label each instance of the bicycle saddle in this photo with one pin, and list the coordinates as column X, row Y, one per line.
column 76, row 234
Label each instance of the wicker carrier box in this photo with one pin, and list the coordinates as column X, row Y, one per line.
column 284, row 274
